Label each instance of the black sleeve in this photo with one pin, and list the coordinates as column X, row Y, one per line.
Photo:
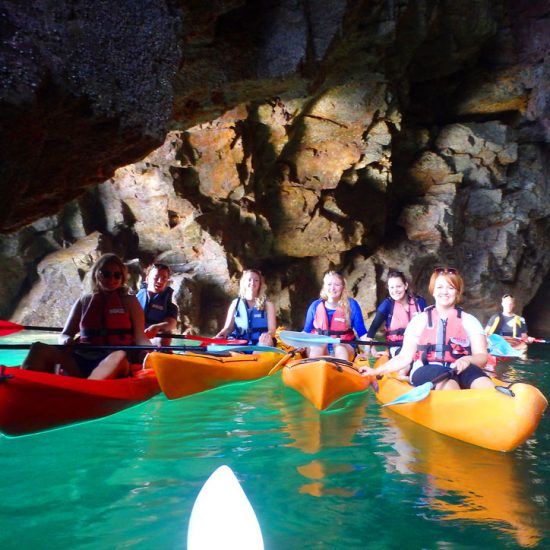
column 379, row 318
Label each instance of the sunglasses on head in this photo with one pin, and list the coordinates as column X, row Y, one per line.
column 445, row 270
column 161, row 266
column 106, row 274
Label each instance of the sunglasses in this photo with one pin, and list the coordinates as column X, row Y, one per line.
column 106, row 274
column 161, row 266
column 445, row 270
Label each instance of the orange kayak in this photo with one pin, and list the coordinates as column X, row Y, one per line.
column 483, row 417
column 324, row 380
column 189, row 373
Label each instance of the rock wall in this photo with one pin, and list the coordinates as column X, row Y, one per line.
column 308, row 135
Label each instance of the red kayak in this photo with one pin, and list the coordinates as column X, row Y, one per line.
column 33, row 401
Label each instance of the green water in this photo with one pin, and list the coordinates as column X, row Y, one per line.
column 358, row 478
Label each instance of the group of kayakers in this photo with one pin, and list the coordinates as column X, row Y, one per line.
column 428, row 341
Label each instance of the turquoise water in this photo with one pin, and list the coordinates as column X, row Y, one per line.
column 358, row 478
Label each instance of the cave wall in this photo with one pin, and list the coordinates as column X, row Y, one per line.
column 301, row 136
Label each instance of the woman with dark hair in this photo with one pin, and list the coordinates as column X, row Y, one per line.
column 251, row 315
column 396, row 311
column 335, row 314
column 108, row 316
column 443, row 339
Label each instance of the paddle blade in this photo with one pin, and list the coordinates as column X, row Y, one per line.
column 222, row 516
column 7, row 328
column 301, row 339
column 499, row 347
column 416, row 394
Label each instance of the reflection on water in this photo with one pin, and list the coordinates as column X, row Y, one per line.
column 464, row 482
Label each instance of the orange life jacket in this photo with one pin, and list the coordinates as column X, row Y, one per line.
column 443, row 340
column 338, row 324
column 105, row 321
column 399, row 320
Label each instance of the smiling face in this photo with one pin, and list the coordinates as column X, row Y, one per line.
column 444, row 293
column 397, row 288
column 110, row 277
column 250, row 285
column 157, row 280
column 333, row 285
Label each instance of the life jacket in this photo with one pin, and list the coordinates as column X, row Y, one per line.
column 399, row 318
column 338, row 324
column 496, row 327
column 155, row 307
column 443, row 340
column 105, row 321
column 249, row 323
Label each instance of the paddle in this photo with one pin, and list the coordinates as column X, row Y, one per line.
column 282, row 362
column 208, row 348
column 499, row 347
column 300, row 339
column 420, row 392
column 7, row 328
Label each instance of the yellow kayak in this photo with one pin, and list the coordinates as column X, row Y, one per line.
column 324, row 380
column 189, row 373
column 484, row 417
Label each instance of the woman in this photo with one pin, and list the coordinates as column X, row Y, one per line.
column 396, row 311
column 335, row 314
column 251, row 315
column 108, row 316
column 155, row 298
column 443, row 339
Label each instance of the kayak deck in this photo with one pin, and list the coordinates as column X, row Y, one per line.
column 33, row 401
column 483, row 417
column 324, row 380
column 189, row 373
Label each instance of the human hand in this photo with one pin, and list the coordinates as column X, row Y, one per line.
column 151, row 331
column 368, row 371
column 462, row 364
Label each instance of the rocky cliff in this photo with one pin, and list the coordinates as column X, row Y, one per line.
column 288, row 135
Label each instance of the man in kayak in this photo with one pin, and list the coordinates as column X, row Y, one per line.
column 108, row 316
column 508, row 324
column 155, row 297
column 443, row 339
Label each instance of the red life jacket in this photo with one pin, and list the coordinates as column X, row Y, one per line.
column 399, row 319
column 338, row 324
column 443, row 340
column 105, row 321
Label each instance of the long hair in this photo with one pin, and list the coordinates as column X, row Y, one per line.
column 261, row 298
column 100, row 264
column 343, row 303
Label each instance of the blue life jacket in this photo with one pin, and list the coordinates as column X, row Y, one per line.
column 249, row 323
column 155, row 307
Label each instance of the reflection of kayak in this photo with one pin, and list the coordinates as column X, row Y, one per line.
column 33, row 401
column 468, row 483
column 181, row 375
column 484, row 417
column 324, row 380
column 222, row 516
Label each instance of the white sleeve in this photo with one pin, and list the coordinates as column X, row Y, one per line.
column 416, row 326
column 471, row 325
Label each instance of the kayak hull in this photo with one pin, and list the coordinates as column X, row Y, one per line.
column 324, row 380
column 483, row 417
column 33, row 401
column 190, row 373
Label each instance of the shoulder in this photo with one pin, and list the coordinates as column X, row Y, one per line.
column 385, row 305
column 416, row 324
column 354, row 304
column 472, row 324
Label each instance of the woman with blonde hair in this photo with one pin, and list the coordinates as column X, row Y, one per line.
column 108, row 316
column 443, row 339
column 335, row 314
column 251, row 316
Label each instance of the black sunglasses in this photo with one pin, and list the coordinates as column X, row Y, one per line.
column 444, row 270
column 106, row 274
column 161, row 266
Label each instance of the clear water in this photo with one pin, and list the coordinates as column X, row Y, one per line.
column 358, row 478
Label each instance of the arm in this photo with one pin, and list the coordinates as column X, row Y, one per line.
column 357, row 323
column 400, row 361
column 266, row 338
column 229, row 321
column 310, row 315
column 479, row 354
column 169, row 324
column 379, row 318
column 72, row 324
